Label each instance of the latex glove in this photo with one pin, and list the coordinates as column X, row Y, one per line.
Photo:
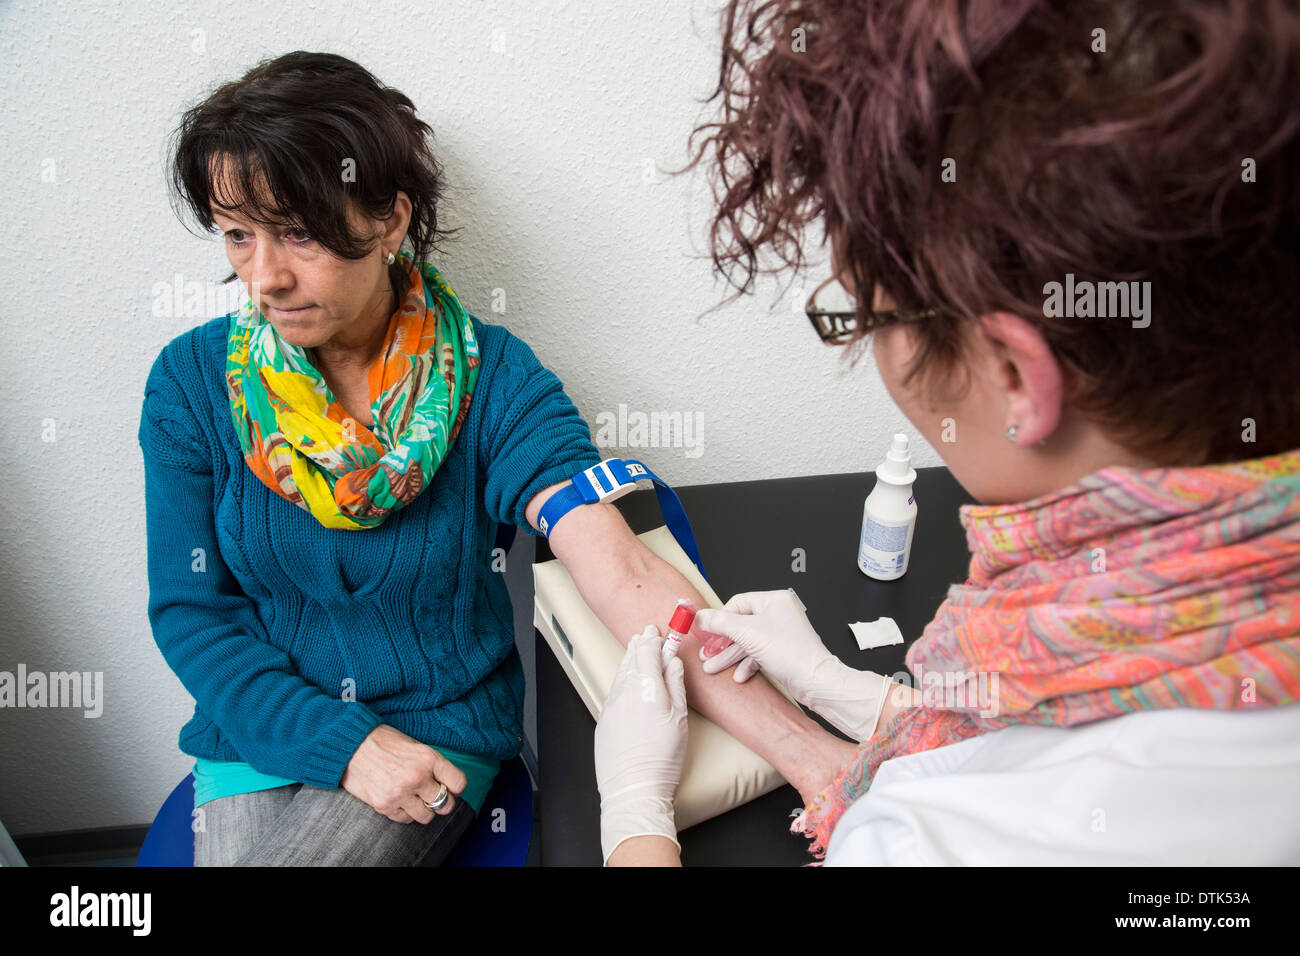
column 771, row 628
column 641, row 744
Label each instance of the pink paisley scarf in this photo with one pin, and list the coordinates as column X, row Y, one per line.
column 1132, row 589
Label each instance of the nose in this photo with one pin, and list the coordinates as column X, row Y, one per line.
column 269, row 274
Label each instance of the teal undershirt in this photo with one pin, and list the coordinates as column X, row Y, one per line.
column 223, row 778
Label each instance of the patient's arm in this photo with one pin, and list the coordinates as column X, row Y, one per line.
column 628, row 586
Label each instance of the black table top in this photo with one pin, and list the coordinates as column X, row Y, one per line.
column 747, row 533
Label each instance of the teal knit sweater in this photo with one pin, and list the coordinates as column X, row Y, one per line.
column 295, row 640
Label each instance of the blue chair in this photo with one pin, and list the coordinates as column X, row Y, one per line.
column 170, row 841
column 499, row 835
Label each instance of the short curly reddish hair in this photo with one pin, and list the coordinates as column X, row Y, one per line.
column 1133, row 164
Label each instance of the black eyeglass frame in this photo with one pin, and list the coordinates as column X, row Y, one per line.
column 836, row 327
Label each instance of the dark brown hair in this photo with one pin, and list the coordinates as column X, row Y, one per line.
column 1125, row 165
column 295, row 120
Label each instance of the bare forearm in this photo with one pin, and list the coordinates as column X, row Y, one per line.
column 755, row 713
column 628, row 586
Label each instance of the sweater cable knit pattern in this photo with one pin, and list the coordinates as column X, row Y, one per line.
column 295, row 640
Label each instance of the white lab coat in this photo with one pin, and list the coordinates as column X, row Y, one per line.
column 1182, row 787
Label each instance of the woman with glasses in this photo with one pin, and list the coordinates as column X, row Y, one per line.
column 1070, row 232
column 325, row 472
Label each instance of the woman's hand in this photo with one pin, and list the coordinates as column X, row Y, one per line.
column 396, row 774
column 771, row 627
column 641, row 745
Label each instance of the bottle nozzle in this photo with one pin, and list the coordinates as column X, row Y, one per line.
column 898, row 462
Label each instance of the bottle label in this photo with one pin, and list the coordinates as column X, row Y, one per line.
column 882, row 548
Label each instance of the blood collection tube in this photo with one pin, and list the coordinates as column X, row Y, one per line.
column 678, row 627
column 683, row 620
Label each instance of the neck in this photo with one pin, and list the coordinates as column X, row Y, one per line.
column 357, row 347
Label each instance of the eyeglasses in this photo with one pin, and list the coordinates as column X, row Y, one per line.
column 833, row 313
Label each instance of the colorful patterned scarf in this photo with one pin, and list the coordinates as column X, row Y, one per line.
column 304, row 446
column 1133, row 589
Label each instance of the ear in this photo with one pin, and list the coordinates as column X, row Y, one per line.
column 399, row 222
column 1025, row 371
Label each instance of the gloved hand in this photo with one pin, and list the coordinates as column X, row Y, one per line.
column 641, row 744
column 771, row 628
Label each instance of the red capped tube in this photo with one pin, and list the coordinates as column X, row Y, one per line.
column 683, row 618
column 678, row 627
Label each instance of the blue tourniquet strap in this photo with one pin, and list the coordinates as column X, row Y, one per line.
column 612, row 479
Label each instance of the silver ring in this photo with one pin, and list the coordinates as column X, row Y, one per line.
column 439, row 801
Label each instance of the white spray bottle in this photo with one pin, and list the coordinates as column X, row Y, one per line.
column 889, row 516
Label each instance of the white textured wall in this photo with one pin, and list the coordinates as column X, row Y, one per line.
column 547, row 116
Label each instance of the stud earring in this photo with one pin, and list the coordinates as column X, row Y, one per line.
column 1011, row 433
column 391, row 258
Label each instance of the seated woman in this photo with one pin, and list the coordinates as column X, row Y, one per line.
column 325, row 469
column 1073, row 227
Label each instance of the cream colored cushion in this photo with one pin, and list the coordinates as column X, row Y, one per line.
column 720, row 773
